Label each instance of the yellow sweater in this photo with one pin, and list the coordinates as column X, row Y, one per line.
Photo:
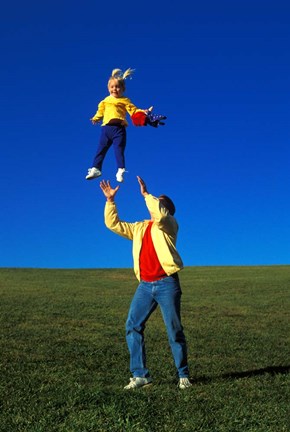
column 164, row 234
column 112, row 108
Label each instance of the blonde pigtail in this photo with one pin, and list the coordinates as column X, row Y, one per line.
column 116, row 73
column 128, row 73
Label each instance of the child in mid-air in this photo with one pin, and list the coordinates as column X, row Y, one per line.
column 112, row 111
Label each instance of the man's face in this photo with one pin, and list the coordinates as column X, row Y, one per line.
column 167, row 203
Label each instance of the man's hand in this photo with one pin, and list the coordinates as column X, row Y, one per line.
column 143, row 188
column 108, row 191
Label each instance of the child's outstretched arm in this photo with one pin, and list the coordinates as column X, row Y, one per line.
column 99, row 114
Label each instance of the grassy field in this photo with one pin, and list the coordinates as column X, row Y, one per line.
column 64, row 359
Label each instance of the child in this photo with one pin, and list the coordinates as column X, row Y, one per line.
column 112, row 111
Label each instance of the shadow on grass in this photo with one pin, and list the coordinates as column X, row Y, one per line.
column 272, row 370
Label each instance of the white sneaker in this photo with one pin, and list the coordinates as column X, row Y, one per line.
column 138, row 382
column 184, row 383
column 119, row 175
column 93, row 173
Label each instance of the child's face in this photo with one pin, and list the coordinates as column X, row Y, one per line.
column 115, row 89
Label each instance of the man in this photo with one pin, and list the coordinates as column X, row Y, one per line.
column 156, row 265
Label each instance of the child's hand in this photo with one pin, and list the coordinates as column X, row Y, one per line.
column 94, row 121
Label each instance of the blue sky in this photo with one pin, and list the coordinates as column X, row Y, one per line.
column 220, row 71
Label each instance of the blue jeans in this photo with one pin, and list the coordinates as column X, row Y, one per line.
column 167, row 294
column 111, row 134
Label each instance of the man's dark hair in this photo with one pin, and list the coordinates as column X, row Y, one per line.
column 168, row 203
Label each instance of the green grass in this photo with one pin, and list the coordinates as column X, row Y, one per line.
column 64, row 360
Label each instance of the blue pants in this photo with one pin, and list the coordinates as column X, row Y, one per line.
column 167, row 294
column 111, row 134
